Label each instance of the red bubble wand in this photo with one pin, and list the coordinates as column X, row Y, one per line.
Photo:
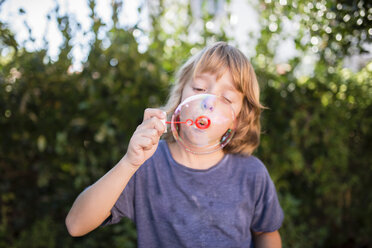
column 202, row 122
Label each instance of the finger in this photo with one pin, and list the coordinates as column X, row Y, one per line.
column 151, row 112
column 151, row 134
column 145, row 143
column 154, row 123
column 159, row 125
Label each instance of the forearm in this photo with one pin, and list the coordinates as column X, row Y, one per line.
column 267, row 240
column 93, row 205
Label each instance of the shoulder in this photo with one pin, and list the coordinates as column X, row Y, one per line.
column 250, row 163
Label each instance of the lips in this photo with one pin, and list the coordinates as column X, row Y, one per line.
column 202, row 122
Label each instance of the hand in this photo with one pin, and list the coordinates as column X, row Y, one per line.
column 145, row 139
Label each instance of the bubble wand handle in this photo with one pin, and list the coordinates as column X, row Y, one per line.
column 202, row 122
column 188, row 122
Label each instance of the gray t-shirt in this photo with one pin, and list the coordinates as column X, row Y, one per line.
column 176, row 206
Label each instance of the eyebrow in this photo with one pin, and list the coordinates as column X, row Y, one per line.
column 226, row 85
column 202, row 78
column 230, row 87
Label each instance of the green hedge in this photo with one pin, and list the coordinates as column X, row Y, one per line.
column 61, row 130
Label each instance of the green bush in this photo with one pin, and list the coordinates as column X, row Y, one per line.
column 61, row 130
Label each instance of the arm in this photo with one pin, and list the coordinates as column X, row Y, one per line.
column 267, row 239
column 94, row 204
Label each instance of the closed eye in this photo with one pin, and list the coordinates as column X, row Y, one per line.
column 198, row 89
column 227, row 100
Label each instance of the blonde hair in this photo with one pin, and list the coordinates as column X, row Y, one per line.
column 216, row 59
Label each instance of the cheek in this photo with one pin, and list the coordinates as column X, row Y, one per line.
column 186, row 92
column 237, row 108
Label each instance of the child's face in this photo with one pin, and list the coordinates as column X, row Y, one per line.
column 206, row 118
column 207, row 83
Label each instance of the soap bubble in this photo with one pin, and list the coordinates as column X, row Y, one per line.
column 203, row 123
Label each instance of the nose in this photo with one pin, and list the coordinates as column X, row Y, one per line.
column 209, row 103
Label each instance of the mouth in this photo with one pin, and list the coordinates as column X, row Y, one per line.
column 202, row 122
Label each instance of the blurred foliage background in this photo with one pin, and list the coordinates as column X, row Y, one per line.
column 61, row 129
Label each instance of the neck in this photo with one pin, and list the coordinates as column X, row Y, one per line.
column 194, row 161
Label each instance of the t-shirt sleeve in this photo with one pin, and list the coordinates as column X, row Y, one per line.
column 268, row 215
column 124, row 206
